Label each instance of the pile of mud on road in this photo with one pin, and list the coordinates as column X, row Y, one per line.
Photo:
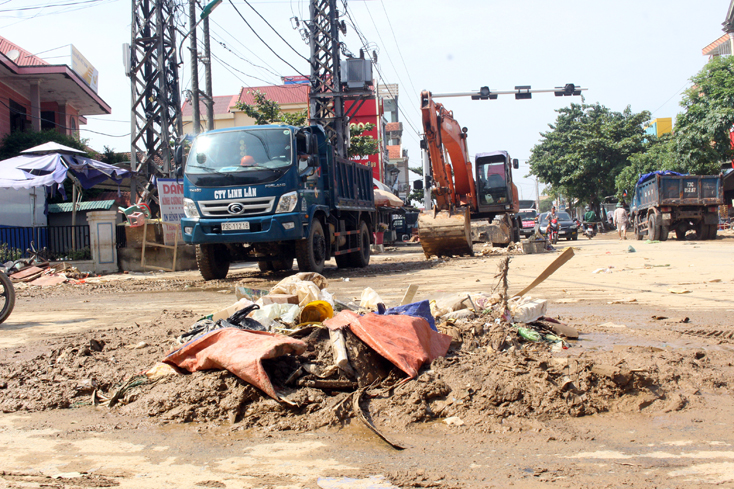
column 472, row 359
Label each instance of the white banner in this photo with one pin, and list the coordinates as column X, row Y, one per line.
column 170, row 193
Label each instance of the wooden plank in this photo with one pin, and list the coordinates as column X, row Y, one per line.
column 409, row 294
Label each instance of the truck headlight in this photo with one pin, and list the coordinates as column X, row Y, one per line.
column 190, row 209
column 287, row 202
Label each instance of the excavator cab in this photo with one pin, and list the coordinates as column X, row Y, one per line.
column 493, row 182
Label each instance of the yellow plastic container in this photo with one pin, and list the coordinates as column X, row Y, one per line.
column 316, row 312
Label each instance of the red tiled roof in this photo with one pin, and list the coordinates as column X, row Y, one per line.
column 24, row 59
column 392, row 126
column 222, row 104
column 394, row 152
column 282, row 94
column 708, row 49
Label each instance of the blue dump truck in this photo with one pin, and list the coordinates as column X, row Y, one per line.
column 668, row 201
column 272, row 194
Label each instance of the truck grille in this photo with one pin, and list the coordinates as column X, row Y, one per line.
column 251, row 206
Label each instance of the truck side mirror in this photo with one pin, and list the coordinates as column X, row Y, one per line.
column 178, row 155
column 179, row 171
column 307, row 142
column 515, row 164
column 418, row 185
column 312, row 161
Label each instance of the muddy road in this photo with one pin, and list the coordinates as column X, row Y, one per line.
column 667, row 425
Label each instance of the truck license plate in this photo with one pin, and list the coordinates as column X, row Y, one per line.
column 235, row 226
column 666, row 216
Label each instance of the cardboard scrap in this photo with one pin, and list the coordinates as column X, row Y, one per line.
column 555, row 265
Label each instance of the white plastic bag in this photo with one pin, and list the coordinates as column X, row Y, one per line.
column 266, row 315
column 526, row 309
column 370, row 299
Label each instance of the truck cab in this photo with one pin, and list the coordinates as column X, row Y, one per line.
column 272, row 194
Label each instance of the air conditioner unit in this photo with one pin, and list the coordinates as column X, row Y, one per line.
column 358, row 73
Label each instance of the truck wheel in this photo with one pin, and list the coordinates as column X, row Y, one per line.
column 7, row 297
column 361, row 259
column 343, row 261
column 664, row 232
column 702, row 230
column 212, row 260
column 680, row 232
column 265, row 266
column 311, row 252
column 653, row 231
column 713, row 229
column 285, row 264
column 636, row 229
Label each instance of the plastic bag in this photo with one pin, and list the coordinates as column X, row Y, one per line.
column 370, row 299
column 287, row 313
column 420, row 309
column 308, row 286
column 526, row 309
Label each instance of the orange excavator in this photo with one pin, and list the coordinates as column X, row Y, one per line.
column 460, row 197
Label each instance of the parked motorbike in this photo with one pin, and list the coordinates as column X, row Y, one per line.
column 7, row 296
column 553, row 230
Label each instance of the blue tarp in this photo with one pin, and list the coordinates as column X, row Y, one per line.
column 420, row 309
column 647, row 176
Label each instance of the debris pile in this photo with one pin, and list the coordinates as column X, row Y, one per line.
column 298, row 358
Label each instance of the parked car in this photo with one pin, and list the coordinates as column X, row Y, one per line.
column 528, row 219
column 568, row 229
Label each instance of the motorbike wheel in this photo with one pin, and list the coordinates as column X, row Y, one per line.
column 7, row 297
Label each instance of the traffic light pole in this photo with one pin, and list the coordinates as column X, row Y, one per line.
column 520, row 92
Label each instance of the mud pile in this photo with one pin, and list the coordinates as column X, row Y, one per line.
column 487, row 376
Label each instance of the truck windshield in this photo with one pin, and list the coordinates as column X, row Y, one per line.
column 241, row 151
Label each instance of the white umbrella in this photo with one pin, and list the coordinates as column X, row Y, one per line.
column 51, row 147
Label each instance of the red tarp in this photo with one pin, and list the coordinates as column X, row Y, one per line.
column 239, row 351
column 407, row 341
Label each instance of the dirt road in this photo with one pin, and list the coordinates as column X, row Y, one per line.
column 680, row 438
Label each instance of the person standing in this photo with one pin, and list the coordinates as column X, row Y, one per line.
column 621, row 218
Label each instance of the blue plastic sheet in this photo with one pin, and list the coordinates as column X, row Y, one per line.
column 420, row 309
column 648, row 176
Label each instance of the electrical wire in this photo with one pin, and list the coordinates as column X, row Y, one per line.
column 398, row 46
column 36, row 7
column 261, row 39
column 278, row 33
column 59, row 125
column 244, row 46
column 221, row 43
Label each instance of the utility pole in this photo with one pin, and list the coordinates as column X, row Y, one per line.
column 208, row 77
column 328, row 94
column 194, row 67
column 150, row 62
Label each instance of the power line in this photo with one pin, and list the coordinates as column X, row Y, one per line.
column 278, row 33
column 244, row 46
column 261, row 40
column 59, row 125
column 36, row 7
column 398, row 46
column 221, row 43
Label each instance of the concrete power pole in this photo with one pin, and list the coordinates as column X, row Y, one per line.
column 208, row 77
column 194, row 67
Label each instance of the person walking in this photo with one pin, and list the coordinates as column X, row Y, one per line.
column 621, row 218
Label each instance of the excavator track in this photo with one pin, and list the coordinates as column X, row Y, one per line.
column 445, row 233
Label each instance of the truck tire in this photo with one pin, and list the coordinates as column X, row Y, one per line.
column 636, row 229
column 664, row 232
column 713, row 229
column 284, row 264
column 702, row 230
column 7, row 297
column 343, row 261
column 311, row 252
column 653, row 231
column 265, row 266
column 212, row 260
column 361, row 259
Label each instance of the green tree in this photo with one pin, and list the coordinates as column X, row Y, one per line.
column 585, row 150
column 360, row 143
column 266, row 111
column 12, row 144
column 702, row 132
column 659, row 154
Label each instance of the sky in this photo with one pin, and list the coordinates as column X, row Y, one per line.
column 638, row 53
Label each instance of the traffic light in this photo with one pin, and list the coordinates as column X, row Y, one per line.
column 566, row 91
column 523, row 92
column 484, row 94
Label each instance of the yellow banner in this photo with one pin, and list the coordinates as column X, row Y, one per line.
column 84, row 68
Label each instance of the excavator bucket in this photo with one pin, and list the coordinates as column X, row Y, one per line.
column 445, row 233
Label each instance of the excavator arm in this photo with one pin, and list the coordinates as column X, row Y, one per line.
column 446, row 230
column 453, row 179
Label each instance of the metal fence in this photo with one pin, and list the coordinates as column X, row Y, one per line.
column 56, row 242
